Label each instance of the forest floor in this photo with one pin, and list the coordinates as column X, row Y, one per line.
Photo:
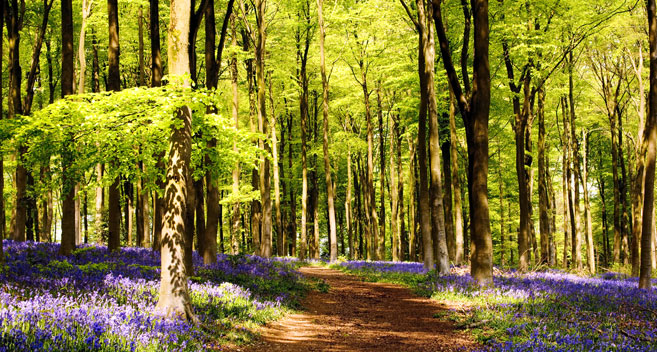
column 361, row 316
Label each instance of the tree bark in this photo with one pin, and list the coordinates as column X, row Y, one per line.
column 174, row 297
column 68, row 180
column 280, row 231
column 456, row 185
column 302, row 59
column 3, row 219
column 590, row 250
column 235, row 228
column 474, row 106
column 574, row 164
column 333, row 238
column 209, row 236
column 381, row 244
column 637, row 182
column 113, row 84
column 156, row 81
column 423, row 205
column 263, row 126
column 86, row 12
column 649, row 146
column 438, row 235
column 543, row 197
column 395, row 226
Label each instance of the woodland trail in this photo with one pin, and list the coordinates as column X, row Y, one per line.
column 361, row 316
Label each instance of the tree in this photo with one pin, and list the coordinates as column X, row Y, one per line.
column 174, row 297
column 333, row 238
column 68, row 203
column 474, row 106
column 113, row 84
column 649, row 150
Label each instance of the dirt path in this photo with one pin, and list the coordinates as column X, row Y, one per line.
column 361, row 316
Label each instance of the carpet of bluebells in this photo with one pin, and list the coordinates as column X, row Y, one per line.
column 537, row 311
column 95, row 300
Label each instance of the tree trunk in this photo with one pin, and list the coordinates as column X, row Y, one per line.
column 637, row 182
column 412, row 191
column 347, row 207
column 280, row 231
column 209, row 235
column 3, row 220
column 438, row 235
column 174, row 297
column 423, row 191
column 456, row 185
column 156, row 81
column 302, row 59
column 235, row 227
column 86, row 12
column 590, row 250
column 381, row 244
column 68, row 189
column 617, row 196
column 114, row 84
column 475, row 112
column 395, row 226
column 648, row 148
column 333, row 238
column 263, row 125
column 543, row 198
column 574, row 163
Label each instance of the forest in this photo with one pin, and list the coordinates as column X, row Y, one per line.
column 179, row 174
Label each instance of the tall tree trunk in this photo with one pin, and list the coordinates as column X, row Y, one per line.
column 235, row 227
column 605, row 226
column 474, row 106
column 68, row 190
column 565, row 182
column 412, row 199
column 199, row 210
column 423, row 191
column 144, row 202
column 156, row 81
column 333, row 238
column 574, row 163
column 438, row 235
column 543, row 197
column 616, row 184
column 381, row 244
column 263, row 126
column 403, row 239
column 256, row 205
column 3, row 219
column 280, row 231
column 86, row 12
column 590, row 250
column 14, row 25
column 316, row 251
column 445, row 148
column 637, row 182
column 174, row 297
column 209, row 236
column 395, row 226
column 140, row 22
column 302, row 59
column 347, row 207
column 648, row 148
column 114, row 84
column 456, row 185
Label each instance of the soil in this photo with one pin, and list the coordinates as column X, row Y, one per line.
column 362, row 316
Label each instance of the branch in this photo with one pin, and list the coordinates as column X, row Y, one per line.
column 410, row 15
column 452, row 77
column 222, row 36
